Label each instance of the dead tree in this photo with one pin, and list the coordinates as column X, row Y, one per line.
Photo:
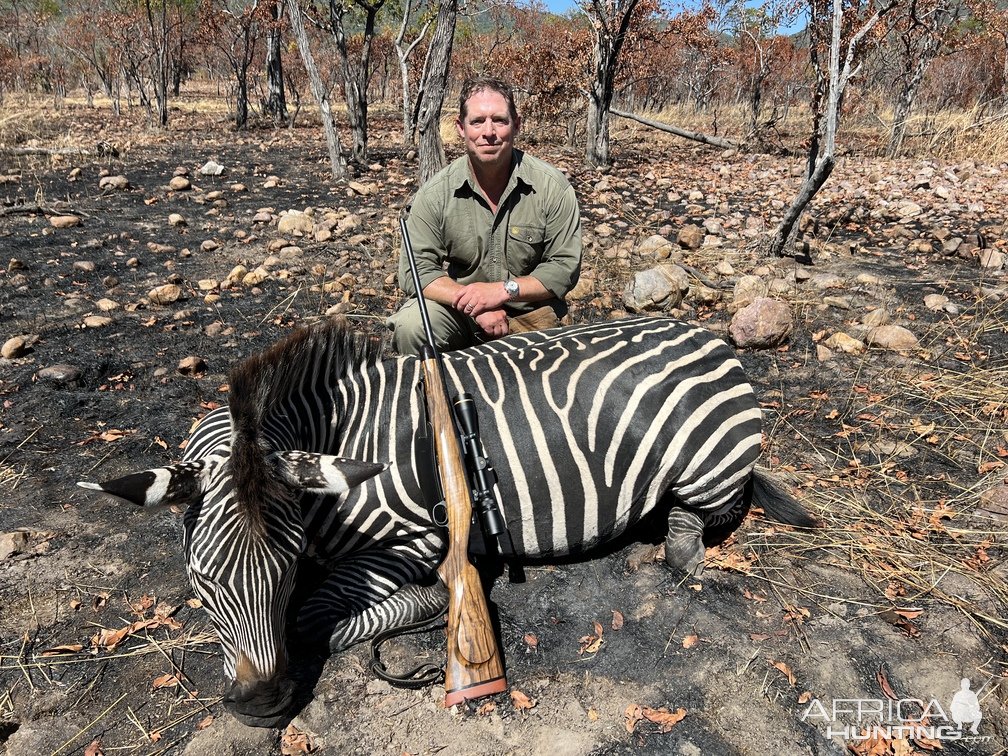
column 404, row 51
column 825, row 124
column 430, row 97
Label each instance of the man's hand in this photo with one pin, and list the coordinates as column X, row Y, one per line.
column 476, row 298
column 493, row 322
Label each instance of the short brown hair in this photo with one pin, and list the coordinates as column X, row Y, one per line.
column 478, row 84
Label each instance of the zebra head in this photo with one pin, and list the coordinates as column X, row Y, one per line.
column 244, row 534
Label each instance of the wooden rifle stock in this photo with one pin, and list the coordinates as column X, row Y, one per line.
column 474, row 667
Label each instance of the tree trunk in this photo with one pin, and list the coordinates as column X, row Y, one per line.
column 276, row 100
column 693, row 135
column 908, row 95
column 812, row 184
column 431, row 98
column 403, row 52
column 318, row 91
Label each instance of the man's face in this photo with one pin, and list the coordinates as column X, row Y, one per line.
column 488, row 130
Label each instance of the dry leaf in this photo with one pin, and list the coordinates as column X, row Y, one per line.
column 94, row 748
column 690, row 640
column 165, row 681
column 70, row 648
column 521, row 701
column 632, row 715
column 593, row 715
column 75, row 604
column 205, row 722
column 531, row 640
column 487, row 708
column 294, row 741
column 617, row 620
column 759, row 637
column 786, row 670
column 884, row 685
column 664, row 718
column 805, row 697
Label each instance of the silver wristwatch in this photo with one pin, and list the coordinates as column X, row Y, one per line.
column 511, row 287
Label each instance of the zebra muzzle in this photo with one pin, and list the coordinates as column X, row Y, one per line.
column 263, row 703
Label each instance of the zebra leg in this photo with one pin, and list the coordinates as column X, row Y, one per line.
column 411, row 603
column 684, row 548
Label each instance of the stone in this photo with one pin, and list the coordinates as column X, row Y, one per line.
column 842, row 342
column 64, row 221
column 823, row 281
column 724, row 269
column 892, row 337
column 255, row 277
column 935, row 301
column 107, row 305
column 209, row 245
column 994, row 503
column 192, row 366
column 604, row 230
column 656, row 289
column 656, row 246
column 262, row 217
column 176, row 220
column 210, row 168
column 358, row 188
column 179, row 184
column 763, row 324
column 97, row 321
column 113, row 183
column 839, row 303
column 296, row 223
column 690, row 236
column 992, row 259
column 166, row 294
column 875, row 318
column 747, row 290
column 14, row 347
column 13, row 543
column 583, row 289
column 67, row 375
column 906, row 210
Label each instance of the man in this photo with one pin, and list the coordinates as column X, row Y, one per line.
column 496, row 234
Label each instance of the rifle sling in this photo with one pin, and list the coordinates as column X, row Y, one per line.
column 420, row 676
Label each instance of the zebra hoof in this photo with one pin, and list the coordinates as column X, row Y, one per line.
column 685, row 552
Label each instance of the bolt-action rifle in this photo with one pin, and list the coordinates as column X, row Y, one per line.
column 474, row 667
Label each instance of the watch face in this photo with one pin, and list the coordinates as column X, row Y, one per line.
column 511, row 287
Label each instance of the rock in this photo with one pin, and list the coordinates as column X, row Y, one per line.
column 13, row 348
column 296, row 223
column 358, row 188
column 107, row 305
column 823, row 281
column 164, row 295
column 255, row 277
column 67, row 375
column 747, row 290
column 655, row 289
column 262, row 217
column 951, row 245
column 113, row 183
column 713, row 226
column 656, row 246
column 992, row 259
column 823, row 353
column 97, row 321
column 176, row 220
column 906, row 210
column 690, row 236
column 839, row 303
column 893, row 337
column 842, row 342
column 724, row 269
column 875, row 318
column 64, row 221
column 192, row 366
column 210, row 168
column 179, row 184
column 13, row 543
column 209, row 245
column 207, row 284
column 583, row 289
column 994, row 503
column 935, row 301
column 705, row 294
column 604, row 230
column 764, row 324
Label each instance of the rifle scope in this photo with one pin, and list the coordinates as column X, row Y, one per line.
column 490, row 516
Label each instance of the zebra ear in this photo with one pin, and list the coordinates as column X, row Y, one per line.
column 324, row 473
column 161, row 485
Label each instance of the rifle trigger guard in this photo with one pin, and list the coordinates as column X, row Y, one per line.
column 439, row 514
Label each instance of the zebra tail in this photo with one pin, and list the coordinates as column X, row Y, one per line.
column 778, row 504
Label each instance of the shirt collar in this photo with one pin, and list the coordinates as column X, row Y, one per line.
column 520, row 172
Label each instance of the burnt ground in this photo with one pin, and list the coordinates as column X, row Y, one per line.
column 899, row 595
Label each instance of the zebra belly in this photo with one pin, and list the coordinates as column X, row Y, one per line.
column 589, row 427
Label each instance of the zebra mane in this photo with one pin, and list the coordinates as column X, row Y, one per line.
column 260, row 386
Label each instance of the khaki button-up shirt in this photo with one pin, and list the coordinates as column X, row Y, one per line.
column 535, row 232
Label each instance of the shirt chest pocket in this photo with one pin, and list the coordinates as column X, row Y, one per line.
column 525, row 248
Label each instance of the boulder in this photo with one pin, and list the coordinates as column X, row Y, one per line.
column 296, row 223
column 690, row 236
column 893, row 337
column 656, row 289
column 763, row 324
column 747, row 290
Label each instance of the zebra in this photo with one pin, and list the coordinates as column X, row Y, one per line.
column 593, row 427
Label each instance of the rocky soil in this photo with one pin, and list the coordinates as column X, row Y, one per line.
column 132, row 281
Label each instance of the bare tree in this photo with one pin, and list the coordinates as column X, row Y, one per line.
column 434, row 83
column 404, row 51
column 275, row 105
column 610, row 22
column 838, row 75
column 319, row 91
